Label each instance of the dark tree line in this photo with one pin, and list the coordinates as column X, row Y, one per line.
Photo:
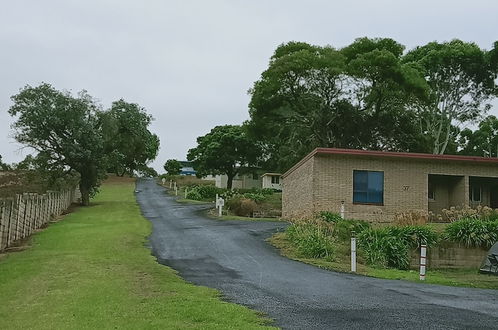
column 371, row 95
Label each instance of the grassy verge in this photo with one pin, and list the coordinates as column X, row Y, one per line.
column 92, row 271
column 341, row 263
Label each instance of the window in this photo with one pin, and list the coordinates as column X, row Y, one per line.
column 368, row 187
column 475, row 193
column 275, row 179
column 431, row 193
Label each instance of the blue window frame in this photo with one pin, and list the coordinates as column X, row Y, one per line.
column 368, row 187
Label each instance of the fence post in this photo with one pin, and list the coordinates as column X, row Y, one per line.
column 353, row 252
column 423, row 260
column 2, row 224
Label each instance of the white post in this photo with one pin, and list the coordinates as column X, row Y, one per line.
column 353, row 252
column 170, row 183
column 342, row 209
column 220, row 210
column 186, row 191
column 423, row 260
column 176, row 190
column 163, row 180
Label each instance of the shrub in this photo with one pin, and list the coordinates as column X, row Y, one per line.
column 411, row 218
column 194, row 194
column 473, row 232
column 311, row 241
column 242, row 206
column 344, row 227
column 389, row 246
column 329, row 216
column 257, row 197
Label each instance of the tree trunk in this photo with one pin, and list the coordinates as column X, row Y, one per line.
column 85, row 195
column 230, row 181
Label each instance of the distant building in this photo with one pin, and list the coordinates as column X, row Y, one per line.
column 187, row 168
column 241, row 181
column 272, row 181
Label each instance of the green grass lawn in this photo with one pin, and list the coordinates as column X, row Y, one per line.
column 92, row 271
column 342, row 263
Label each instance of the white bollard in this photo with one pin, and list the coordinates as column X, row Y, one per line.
column 163, row 180
column 353, row 252
column 423, row 260
column 176, row 190
column 170, row 183
column 220, row 210
column 186, row 191
column 342, row 209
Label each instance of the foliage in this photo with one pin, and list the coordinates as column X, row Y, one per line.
column 389, row 246
column 203, row 192
column 344, row 228
column 473, row 232
column 410, row 218
column 64, row 130
column 173, row 167
column 194, row 195
column 312, row 96
column 460, row 80
column 242, row 206
column 311, row 241
column 257, row 197
column 3, row 166
column 466, row 212
column 128, row 141
column 224, row 150
column 147, row 171
column 329, row 216
column 483, row 141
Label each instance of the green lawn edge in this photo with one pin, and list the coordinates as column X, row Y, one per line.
column 459, row 278
column 92, row 270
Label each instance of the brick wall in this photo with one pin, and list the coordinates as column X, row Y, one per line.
column 297, row 192
column 325, row 180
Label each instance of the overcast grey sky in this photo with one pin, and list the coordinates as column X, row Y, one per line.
column 190, row 63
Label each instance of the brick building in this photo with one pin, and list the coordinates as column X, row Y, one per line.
column 376, row 185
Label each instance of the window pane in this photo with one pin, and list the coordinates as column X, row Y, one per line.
column 360, row 197
column 375, row 181
column 360, row 180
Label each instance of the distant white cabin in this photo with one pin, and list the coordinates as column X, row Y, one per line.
column 272, row 181
column 241, row 181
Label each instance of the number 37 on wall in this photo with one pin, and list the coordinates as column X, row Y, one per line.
column 406, row 188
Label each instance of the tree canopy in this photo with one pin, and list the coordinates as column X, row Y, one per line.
column 172, row 166
column 127, row 140
column 224, row 150
column 72, row 134
column 368, row 95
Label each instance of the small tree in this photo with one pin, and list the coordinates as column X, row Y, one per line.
column 3, row 166
column 64, row 130
column 172, row 166
column 483, row 141
column 225, row 150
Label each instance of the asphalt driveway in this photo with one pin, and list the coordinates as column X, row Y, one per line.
column 233, row 257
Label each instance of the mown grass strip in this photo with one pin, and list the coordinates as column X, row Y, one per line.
column 93, row 271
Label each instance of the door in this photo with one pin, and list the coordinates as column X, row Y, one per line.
column 493, row 197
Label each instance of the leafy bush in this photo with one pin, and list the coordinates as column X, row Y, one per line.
column 329, row 216
column 311, row 241
column 194, row 194
column 344, row 227
column 473, row 232
column 257, row 197
column 242, row 206
column 203, row 192
column 389, row 246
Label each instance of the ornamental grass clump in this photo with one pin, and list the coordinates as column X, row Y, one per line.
column 473, row 232
column 311, row 241
column 390, row 246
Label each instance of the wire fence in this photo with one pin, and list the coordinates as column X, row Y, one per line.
column 22, row 215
